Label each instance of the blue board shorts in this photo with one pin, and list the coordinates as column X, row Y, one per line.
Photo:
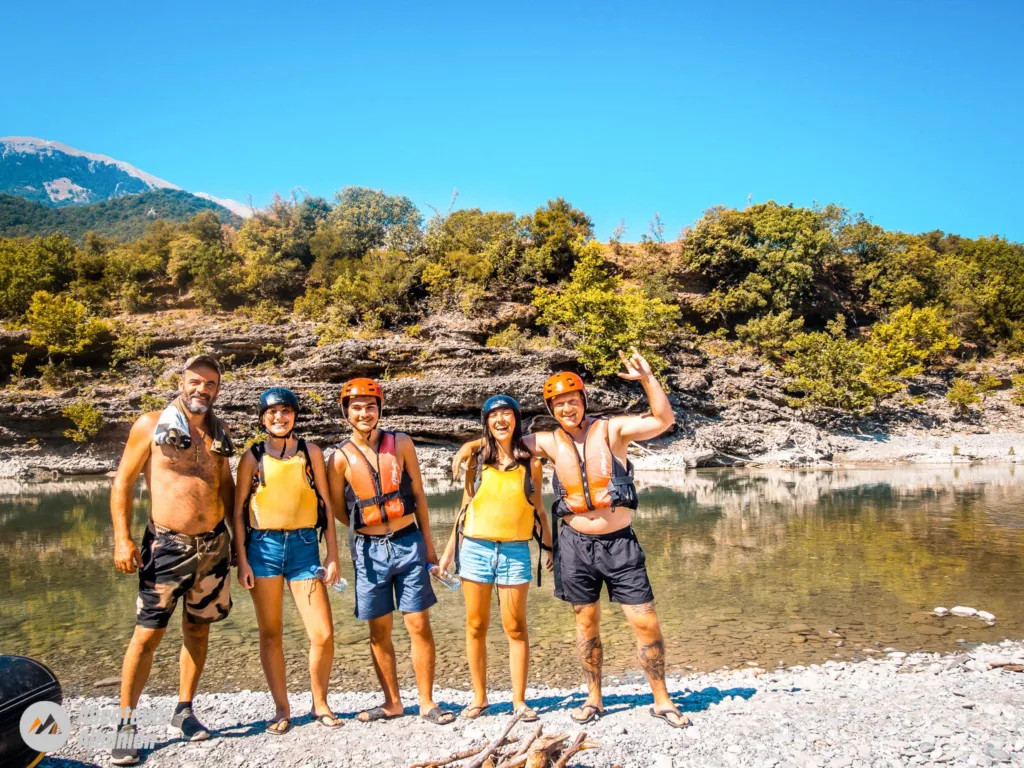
column 292, row 554
column 505, row 563
column 391, row 571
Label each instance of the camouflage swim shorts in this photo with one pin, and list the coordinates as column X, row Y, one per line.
column 177, row 564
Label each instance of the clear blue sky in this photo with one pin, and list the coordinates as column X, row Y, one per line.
column 911, row 112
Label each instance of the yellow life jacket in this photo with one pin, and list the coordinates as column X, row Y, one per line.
column 283, row 500
column 500, row 509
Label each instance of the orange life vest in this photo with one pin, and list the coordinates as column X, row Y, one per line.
column 381, row 494
column 596, row 481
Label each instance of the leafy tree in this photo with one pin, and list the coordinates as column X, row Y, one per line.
column 368, row 219
column 61, row 325
column 769, row 334
column 768, row 258
column 87, row 418
column 962, row 395
column 206, row 266
column 457, row 280
column 27, row 266
column 554, row 230
column 380, row 288
column 826, row 368
column 597, row 315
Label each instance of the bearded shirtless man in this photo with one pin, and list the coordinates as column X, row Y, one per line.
column 186, row 549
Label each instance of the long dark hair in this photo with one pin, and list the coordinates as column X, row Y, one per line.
column 489, row 453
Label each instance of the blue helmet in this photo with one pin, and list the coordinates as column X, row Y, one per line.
column 278, row 396
column 496, row 402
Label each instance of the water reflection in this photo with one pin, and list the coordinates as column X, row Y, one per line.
column 738, row 559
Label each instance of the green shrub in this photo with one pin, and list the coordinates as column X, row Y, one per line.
column 313, row 304
column 915, row 335
column 129, row 344
column 458, row 280
column 988, row 384
column 56, row 375
column 962, row 395
column 512, row 337
column 28, row 266
column 87, row 420
column 62, row 325
column 379, row 289
column 826, row 368
column 264, row 312
column 597, row 315
column 769, row 334
column 331, row 333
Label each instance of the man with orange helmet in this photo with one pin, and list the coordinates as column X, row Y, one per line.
column 376, row 490
column 595, row 545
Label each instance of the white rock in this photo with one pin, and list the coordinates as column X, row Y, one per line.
column 964, row 611
column 940, row 611
column 661, row 761
column 986, row 616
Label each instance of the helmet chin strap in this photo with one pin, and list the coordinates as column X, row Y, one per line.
column 284, row 438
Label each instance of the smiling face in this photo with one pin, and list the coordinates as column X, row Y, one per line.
column 279, row 420
column 568, row 409
column 363, row 413
column 501, row 423
column 199, row 385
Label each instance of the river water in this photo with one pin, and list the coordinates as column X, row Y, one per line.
column 738, row 559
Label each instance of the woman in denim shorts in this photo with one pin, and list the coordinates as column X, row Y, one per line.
column 280, row 504
column 501, row 506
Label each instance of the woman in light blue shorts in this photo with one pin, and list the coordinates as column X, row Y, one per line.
column 491, row 547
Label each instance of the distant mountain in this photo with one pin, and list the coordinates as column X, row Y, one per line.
column 59, row 176
column 125, row 217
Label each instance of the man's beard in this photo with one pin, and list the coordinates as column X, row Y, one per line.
column 197, row 406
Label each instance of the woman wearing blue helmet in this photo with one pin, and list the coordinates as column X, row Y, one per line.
column 490, row 543
column 281, row 503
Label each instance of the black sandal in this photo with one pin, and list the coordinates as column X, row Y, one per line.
column 277, row 722
column 375, row 714
column 329, row 721
column 478, row 709
column 437, row 716
column 663, row 715
column 590, row 713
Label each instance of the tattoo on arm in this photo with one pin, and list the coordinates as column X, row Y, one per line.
column 652, row 659
column 591, row 653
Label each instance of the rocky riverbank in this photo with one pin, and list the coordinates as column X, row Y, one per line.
column 961, row 709
column 731, row 408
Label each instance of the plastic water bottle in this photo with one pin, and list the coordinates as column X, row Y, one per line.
column 340, row 584
column 450, row 580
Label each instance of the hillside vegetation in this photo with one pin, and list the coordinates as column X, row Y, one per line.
column 847, row 311
column 125, row 218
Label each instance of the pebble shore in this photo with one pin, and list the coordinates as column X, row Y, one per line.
column 964, row 709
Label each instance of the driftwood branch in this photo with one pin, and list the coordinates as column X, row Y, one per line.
column 579, row 745
column 524, row 748
column 456, row 756
column 479, row 760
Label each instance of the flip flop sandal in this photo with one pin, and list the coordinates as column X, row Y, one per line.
column 274, row 726
column 529, row 716
column 375, row 714
column 328, row 721
column 479, row 711
column 438, row 716
column 589, row 712
column 663, row 715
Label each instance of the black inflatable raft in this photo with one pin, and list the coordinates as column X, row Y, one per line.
column 23, row 682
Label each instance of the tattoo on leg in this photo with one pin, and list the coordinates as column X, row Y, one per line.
column 643, row 608
column 591, row 653
column 652, row 659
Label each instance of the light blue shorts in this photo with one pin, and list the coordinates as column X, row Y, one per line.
column 292, row 554
column 505, row 563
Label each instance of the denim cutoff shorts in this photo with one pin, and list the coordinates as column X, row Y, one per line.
column 505, row 563
column 292, row 554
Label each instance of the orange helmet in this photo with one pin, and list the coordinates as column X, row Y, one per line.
column 358, row 388
column 563, row 382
